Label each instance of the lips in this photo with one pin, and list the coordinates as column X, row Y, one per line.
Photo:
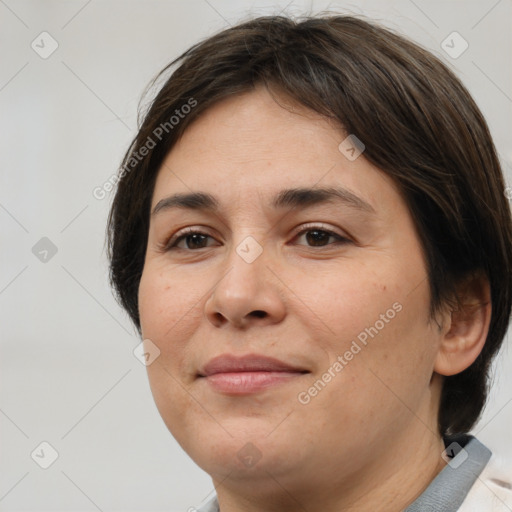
column 250, row 363
column 247, row 374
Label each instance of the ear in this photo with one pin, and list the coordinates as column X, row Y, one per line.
column 465, row 331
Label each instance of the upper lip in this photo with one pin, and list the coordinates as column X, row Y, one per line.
column 228, row 363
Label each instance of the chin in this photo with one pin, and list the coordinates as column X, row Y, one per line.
column 247, row 456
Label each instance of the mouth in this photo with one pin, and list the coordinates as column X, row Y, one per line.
column 248, row 374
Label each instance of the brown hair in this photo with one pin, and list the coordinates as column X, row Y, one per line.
column 418, row 122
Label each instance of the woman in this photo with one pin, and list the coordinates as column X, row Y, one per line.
column 311, row 235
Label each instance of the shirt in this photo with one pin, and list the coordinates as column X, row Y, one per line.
column 474, row 480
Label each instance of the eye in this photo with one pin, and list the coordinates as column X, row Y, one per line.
column 192, row 238
column 317, row 236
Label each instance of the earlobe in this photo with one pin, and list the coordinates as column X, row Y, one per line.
column 466, row 329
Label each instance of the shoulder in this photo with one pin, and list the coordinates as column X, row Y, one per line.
column 211, row 506
column 492, row 490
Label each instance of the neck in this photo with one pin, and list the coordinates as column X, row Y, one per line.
column 389, row 482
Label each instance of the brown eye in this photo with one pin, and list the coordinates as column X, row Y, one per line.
column 316, row 237
column 190, row 240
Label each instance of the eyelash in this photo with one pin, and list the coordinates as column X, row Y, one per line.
column 173, row 241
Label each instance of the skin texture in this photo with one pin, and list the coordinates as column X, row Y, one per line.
column 368, row 439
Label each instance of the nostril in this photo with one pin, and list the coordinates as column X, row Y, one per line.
column 259, row 313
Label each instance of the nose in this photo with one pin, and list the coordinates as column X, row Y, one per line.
column 248, row 293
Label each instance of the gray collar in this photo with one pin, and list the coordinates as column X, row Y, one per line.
column 466, row 457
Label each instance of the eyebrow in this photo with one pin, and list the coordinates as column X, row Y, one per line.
column 290, row 198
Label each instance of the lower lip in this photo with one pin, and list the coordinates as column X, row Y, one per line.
column 241, row 383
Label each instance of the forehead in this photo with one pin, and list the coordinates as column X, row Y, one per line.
column 254, row 144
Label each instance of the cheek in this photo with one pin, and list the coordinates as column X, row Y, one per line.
column 169, row 311
column 379, row 326
column 169, row 316
column 353, row 301
column 383, row 381
column 164, row 297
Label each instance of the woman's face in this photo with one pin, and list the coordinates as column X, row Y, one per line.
column 332, row 285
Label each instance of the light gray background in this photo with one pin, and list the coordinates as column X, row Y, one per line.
column 68, row 374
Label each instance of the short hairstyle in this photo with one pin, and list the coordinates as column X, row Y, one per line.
column 417, row 121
